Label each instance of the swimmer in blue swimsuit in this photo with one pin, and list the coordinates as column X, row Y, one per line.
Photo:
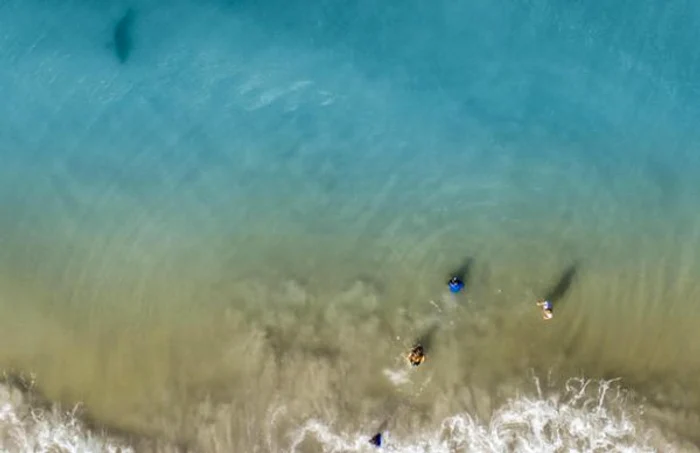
column 547, row 309
column 455, row 284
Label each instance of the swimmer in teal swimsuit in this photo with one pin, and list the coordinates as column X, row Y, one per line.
column 547, row 309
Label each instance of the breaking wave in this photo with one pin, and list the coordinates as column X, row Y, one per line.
column 587, row 417
column 24, row 427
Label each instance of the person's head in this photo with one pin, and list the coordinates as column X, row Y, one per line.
column 547, row 313
column 455, row 284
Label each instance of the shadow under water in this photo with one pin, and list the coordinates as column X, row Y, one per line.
column 561, row 288
column 427, row 338
column 464, row 271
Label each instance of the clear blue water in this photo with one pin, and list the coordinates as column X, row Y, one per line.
column 248, row 157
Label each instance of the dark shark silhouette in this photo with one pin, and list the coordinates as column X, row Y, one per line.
column 123, row 36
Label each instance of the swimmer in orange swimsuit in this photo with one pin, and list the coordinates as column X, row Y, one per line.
column 416, row 356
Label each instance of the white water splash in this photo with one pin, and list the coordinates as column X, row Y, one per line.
column 398, row 376
column 27, row 429
column 586, row 417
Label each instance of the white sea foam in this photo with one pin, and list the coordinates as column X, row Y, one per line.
column 24, row 428
column 586, row 417
column 397, row 376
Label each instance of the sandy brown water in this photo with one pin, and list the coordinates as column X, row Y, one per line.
column 153, row 355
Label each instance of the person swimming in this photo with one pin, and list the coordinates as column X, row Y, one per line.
column 416, row 356
column 377, row 440
column 455, row 284
column 547, row 309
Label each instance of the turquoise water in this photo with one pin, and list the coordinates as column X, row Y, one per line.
column 283, row 179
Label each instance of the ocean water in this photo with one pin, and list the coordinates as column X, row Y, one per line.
column 222, row 224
